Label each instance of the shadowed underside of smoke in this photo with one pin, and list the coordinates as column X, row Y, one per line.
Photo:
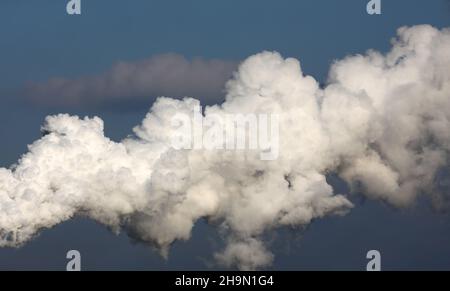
column 381, row 124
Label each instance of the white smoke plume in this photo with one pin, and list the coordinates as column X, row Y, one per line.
column 381, row 123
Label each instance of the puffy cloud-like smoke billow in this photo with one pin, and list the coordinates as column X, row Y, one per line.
column 381, row 123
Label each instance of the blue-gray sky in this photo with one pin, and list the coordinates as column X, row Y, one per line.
column 40, row 41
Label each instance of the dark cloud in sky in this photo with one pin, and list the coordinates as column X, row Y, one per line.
column 137, row 82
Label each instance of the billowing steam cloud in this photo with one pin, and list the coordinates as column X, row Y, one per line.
column 382, row 124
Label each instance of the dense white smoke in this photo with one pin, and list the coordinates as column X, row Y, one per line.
column 382, row 124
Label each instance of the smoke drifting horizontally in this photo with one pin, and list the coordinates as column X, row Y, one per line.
column 161, row 75
column 382, row 124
